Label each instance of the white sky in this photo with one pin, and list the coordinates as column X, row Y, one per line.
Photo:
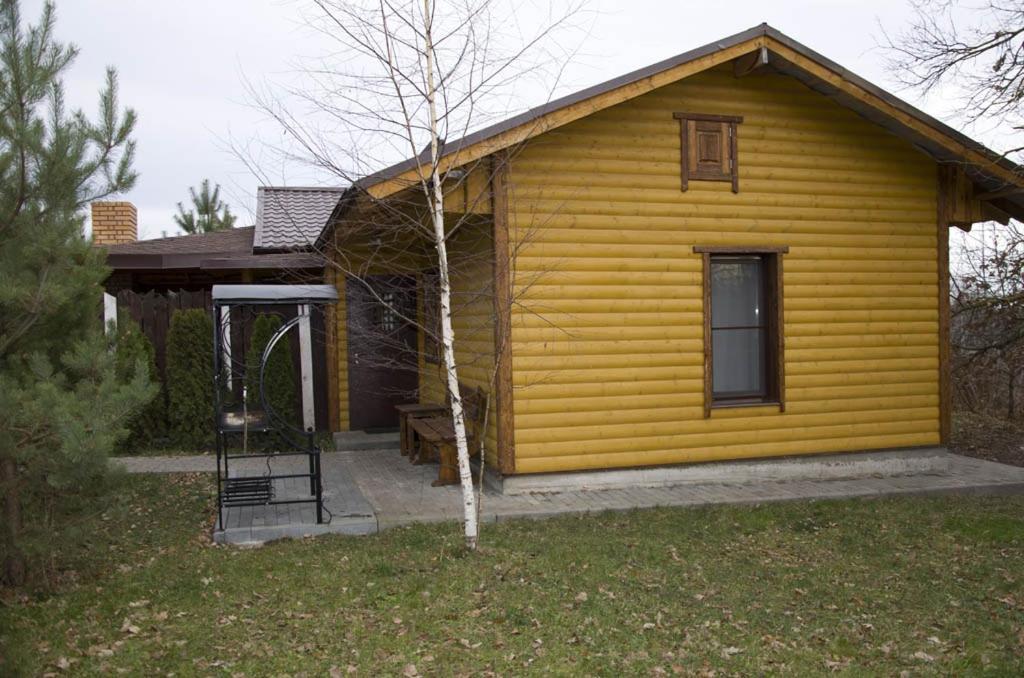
column 182, row 66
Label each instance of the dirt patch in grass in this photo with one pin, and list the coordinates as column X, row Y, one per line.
column 923, row 585
column 985, row 437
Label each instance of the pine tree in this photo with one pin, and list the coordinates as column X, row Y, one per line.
column 63, row 405
column 208, row 213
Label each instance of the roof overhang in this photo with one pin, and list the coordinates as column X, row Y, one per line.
column 214, row 261
column 1001, row 181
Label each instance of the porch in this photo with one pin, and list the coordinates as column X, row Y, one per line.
column 370, row 490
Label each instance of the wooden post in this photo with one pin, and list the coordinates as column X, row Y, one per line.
column 705, row 278
column 331, row 324
column 942, row 253
column 306, row 368
column 505, row 420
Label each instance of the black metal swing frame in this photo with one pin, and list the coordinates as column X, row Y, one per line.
column 232, row 421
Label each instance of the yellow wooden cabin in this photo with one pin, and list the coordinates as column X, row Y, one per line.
column 753, row 177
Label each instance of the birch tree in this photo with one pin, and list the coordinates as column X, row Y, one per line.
column 407, row 76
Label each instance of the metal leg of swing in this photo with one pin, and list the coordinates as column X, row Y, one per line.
column 319, row 491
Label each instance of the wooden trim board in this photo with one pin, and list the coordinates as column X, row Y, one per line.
column 502, row 315
column 942, row 253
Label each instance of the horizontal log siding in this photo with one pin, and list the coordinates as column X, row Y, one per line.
column 472, row 275
column 607, row 327
column 341, row 352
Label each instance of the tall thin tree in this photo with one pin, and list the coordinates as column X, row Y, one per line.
column 408, row 75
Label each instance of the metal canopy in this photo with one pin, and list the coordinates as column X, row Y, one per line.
column 275, row 294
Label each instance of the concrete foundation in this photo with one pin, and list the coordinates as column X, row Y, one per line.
column 918, row 461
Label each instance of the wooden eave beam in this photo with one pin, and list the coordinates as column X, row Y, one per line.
column 1001, row 193
column 748, row 63
column 993, row 213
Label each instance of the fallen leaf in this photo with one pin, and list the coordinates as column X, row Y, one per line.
column 923, row 656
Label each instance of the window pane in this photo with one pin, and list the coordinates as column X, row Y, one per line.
column 737, row 362
column 736, row 292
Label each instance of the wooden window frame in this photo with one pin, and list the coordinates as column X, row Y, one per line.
column 775, row 341
column 729, row 125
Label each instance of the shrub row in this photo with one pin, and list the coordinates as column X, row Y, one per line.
column 183, row 413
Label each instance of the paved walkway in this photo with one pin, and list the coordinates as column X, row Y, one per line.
column 367, row 491
column 401, row 493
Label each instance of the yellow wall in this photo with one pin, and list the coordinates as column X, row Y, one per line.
column 471, row 259
column 341, row 352
column 607, row 354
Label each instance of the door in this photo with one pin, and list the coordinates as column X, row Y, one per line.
column 382, row 346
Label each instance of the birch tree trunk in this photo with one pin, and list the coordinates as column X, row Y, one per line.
column 436, row 198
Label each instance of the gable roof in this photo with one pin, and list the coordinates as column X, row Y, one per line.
column 290, row 218
column 990, row 170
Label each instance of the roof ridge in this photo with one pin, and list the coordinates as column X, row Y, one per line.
column 189, row 235
column 332, row 189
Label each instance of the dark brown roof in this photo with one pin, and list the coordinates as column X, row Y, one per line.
column 219, row 250
column 1013, row 205
column 233, row 240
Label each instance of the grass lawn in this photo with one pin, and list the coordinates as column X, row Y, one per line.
column 876, row 587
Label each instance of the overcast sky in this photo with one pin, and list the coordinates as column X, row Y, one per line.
column 183, row 67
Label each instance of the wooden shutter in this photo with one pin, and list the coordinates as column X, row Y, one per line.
column 708, row 148
column 708, row 145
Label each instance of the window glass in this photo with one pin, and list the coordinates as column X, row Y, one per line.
column 736, row 292
column 738, row 327
column 388, row 319
column 738, row 363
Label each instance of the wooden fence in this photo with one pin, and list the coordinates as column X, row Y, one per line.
column 153, row 311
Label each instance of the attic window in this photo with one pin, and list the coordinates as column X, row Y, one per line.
column 708, row 148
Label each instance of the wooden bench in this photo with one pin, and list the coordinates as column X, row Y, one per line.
column 436, row 435
column 406, row 439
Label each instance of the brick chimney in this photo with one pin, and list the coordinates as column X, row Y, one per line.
column 114, row 223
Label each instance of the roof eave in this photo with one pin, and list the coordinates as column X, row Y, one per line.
column 1002, row 170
